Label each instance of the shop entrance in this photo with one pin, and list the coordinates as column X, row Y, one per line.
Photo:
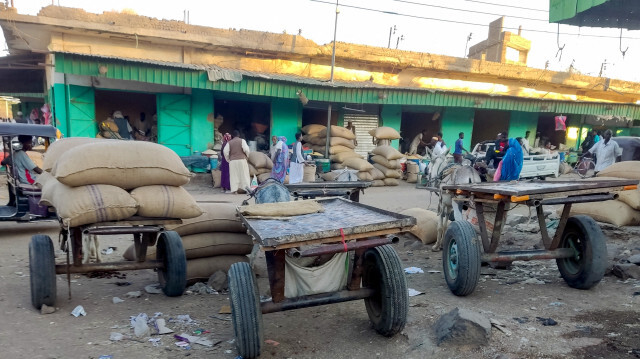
column 487, row 124
column 134, row 106
column 547, row 129
column 251, row 119
column 412, row 124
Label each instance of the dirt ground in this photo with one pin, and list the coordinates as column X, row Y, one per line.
column 597, row 323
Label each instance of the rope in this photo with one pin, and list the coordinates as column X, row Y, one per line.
column 343, row 242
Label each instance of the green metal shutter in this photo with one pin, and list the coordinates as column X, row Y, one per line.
column 82, row 112
column 174, row 122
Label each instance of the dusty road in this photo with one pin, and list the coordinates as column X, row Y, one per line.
column 599, row 323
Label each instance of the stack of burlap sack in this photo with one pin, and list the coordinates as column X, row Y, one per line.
column 92, row 181
column 212, row 241
column 386, row 163
column 625, row 211
column 260, row 165
column 384, row 135
column 413, row 169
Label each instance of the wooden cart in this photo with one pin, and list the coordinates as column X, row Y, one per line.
column 170, row 259
column 311, row 190
column 376, row 276
column 578, row 245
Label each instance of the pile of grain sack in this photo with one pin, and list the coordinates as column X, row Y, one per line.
column 92, row 181
column 260, row 165
column 212, row 241
column 625, row 211
column 386, row 163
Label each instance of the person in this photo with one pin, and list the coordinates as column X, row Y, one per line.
column 607, row 152
column 19, row 118
column 438, row 147
column 236, row 153
column 22, row 166
column 523, row 142
column 499, row 149
column 458, row 148
column 351, row 127
column 588, row 142
column 124, row 128
column 536, row 142
column 280, row 160
column 418, row 142
column 526, row 136
column 597, row 136
column 512, row 162
column 224, row 165
column 296, row 172
column 439, row 134
column 274, row 142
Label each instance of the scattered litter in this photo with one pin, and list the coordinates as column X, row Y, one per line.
column 45, row 309
column 636, row 293
column 434, row 271
column 613, row 335
column 134, row 294
column 117, row 300
column 272, row 342
column 161, row 327
column 78, row 311
column 521, row 320
column 194, row 339
column 107, row 250
column 153, row 289
column 19, row 273
column 155, row 341
column 225, row 309
column 122, row 284
column 556, row 304
column 547, row 321
column 413, row 270
column 553, row 224
column 228, row 351
column 116, row 337
column 201, row 288
column 500, row 326
column 533, row 281
column 413, row 292
column 183, row 319
column 139, row 324
column 228, row 319
column 184, row 345
column 105, row 357
column 201, row 331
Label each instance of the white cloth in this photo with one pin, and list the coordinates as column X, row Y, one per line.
column 296, row 172
column 238, row 174
column 413, row 148
column 297, row 150
column 606, row 154
column 439, row 149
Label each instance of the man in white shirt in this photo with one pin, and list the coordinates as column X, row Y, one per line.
column 607, row 152
column 438, row 147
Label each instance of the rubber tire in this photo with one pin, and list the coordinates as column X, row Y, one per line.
column 246, row 313
column 589, row 268
column 388, row 307
column 42, row 271
column 173, row 277
column 461, row 240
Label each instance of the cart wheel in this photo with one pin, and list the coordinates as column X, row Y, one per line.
column 461, row 258
column 388, row 307
column 173, row 277
column 42, row 271
column 245, row 310
column 587, row 267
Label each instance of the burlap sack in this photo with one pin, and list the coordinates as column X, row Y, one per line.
column 341, row 141
column 205, row 245
column 626, row 169
column 426, row 228
column 387, row 152
column 107, row 125
column 125, row 164
column 252, row 170
column 260, row 160
column 386, row 133
column 341, row 157
column 393, row 164
column 77, row 206
column 357, row 164
column 282, row 209
column 334, row 150
column 165, row 202
column 216, row 217
column 412, row 167
column 330, row 176
column 36, row 158
column 110, row 135
column 365, row 176
column 337, row 166
column 309, row 174
column 631, row 198
column 412, row 177
column 216, row 175
column 263, row 177
column 388, row 172
column 614, row 212
column 199, row 270
column 313, row 129
column 61, row 146
column 391, row 182
column 377, row 183
column 337, row 131
column 377, row 174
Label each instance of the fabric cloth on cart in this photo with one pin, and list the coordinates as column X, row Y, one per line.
column 282, row 209
column 329, row 277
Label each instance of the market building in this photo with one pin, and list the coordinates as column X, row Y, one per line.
column 187, row 79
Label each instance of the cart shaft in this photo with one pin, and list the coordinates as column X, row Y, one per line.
column 108, row 267
column 316, row 300
column 510, row 256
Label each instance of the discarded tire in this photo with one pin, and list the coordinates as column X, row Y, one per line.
column 42, row 271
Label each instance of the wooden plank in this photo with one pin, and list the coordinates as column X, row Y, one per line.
column 136, row 221
column 540, row 187
column 287, row 245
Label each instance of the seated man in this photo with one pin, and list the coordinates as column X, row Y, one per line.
column 23, row 168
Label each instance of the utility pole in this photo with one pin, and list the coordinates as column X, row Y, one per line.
column 392, row 31
column 603, row 67
column 467, row 45
column 400, row 38
column 333, row 64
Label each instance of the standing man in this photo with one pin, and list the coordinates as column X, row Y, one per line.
column 236, row 153
column 418, row 142
column 457, row 152
column 607, row 152
column 351, row 127
column 296, row 171
column 19, row 118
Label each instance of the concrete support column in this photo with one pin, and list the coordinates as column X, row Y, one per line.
column 391, row 116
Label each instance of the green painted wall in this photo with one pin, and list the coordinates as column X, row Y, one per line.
column 454, row 121
column 521, row 122
column 286, row 118
column 60, row 109
column 201, row 129
column 391, row 116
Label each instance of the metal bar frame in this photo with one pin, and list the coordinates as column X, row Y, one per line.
column 111, row 266
column 316, row 300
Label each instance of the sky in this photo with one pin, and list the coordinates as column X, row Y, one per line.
column 432, row 26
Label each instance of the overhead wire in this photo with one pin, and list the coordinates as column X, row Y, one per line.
column 467, row 10
column 469, row 23
column 505, row 5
